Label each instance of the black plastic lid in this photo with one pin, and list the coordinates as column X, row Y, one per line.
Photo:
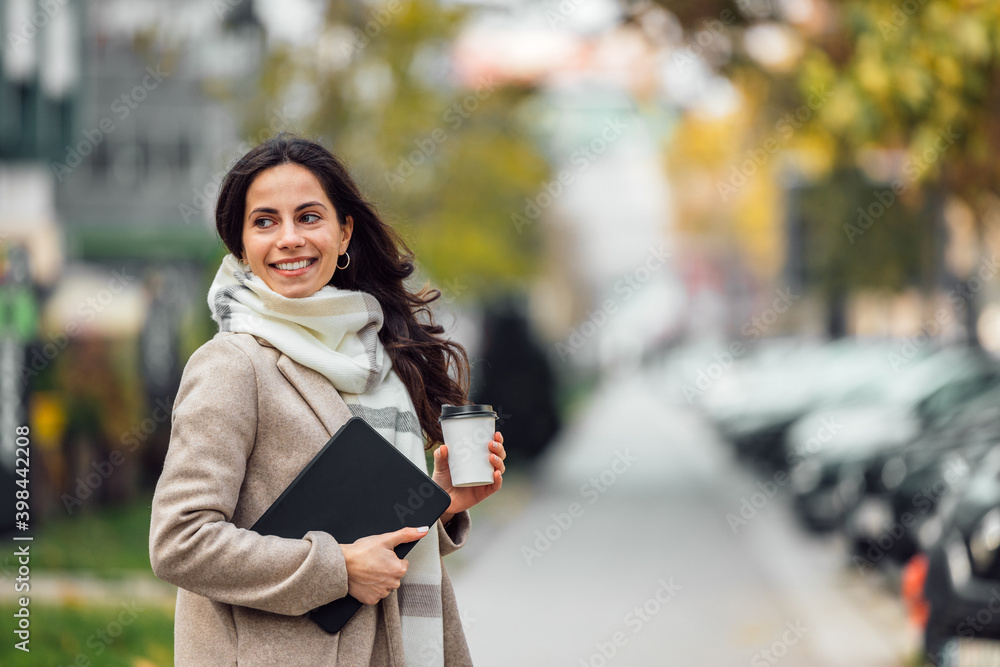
column 475, row 410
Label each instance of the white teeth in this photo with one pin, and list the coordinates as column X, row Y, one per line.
column 294, row 265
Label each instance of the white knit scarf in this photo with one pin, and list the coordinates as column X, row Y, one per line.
column 335, row 332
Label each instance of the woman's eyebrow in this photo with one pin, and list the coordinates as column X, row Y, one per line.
column 274, row 211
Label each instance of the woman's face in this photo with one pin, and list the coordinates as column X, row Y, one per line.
column 291, row 235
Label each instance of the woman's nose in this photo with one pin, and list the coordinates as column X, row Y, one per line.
column 290, row 236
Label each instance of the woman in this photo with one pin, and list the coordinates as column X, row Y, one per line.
column 316, row 326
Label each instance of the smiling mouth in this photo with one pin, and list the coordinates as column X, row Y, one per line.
column 293, row 266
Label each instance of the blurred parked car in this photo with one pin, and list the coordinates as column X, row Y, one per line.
column 778, row 394
column 833, row 470
column 903, row 488
column 962, row 587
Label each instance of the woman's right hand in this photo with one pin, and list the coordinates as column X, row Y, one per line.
column 373, row 569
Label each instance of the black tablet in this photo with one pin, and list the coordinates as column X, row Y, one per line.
column 359, row 484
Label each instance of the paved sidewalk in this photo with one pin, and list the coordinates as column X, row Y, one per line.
column 622, row 556
column 69, row 588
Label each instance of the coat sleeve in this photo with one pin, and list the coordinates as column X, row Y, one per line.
column 192, row 542
column 454, row 536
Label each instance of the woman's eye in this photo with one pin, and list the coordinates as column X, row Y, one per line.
column 263, row 223
column 310, row 217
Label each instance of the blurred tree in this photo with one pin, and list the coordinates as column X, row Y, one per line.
column 906, row 92
column 104, row 404
column 895, row 254
column 447, row 161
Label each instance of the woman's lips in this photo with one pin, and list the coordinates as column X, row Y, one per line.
column 294, row 272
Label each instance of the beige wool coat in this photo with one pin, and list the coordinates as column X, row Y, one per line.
column 246, row 420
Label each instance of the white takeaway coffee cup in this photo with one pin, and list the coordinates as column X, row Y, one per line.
column 468, row 431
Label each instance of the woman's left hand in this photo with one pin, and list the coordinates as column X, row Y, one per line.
column 464, row 497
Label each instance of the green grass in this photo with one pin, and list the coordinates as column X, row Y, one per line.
column 111, row 636
column 105, row 542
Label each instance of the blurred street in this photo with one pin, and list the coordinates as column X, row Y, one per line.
column 729, row 273
column 651, row 532
column 623, row 535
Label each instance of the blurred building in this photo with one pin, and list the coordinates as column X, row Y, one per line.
column 39, row 101
column 136, row 177
column 39, row 104
column 117, row 122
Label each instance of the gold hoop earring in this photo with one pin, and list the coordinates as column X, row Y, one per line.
column 348, row 256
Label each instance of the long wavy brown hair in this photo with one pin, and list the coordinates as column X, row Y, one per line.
column 434, row 369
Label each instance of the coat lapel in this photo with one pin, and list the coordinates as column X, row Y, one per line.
column 318, row 392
